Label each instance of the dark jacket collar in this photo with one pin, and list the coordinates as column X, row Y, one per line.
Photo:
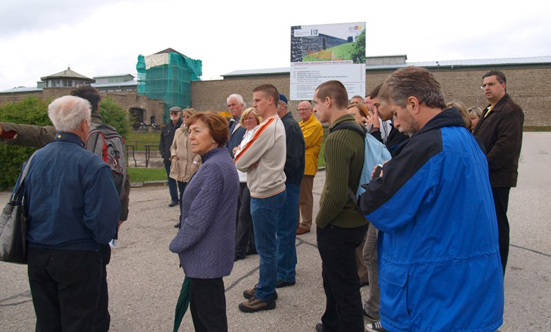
column 497, row 106
column 447, row 118
column 68, row 137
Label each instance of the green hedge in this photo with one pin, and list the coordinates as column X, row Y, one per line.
column 32, row 110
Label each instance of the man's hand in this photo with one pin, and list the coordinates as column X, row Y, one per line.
column 0, row 130
column 373, row 119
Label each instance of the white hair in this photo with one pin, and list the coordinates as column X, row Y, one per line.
column 236, row 97
column 67, row 113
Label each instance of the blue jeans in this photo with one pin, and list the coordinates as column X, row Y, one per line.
column 265, row 213
column 287, row 234
column 171, row 183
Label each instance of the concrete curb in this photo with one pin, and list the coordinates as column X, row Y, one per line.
column 159, row 183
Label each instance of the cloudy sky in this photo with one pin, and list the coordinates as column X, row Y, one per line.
column 105, row 37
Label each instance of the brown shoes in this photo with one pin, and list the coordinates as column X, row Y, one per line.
column 254, row 305
column 302, row 230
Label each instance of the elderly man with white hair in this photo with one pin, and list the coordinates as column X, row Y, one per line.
column 73, row 207
column 236, row 105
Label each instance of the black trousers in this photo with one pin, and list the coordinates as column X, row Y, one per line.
column 343, row 310
column 207, row 303
column 103, row 318
column 244, row 237
column 65, row 287
column 501, row 201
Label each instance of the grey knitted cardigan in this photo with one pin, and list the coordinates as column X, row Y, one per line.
column 206, row 240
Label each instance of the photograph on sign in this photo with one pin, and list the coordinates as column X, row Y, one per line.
column 329, row 42
column 320, row 53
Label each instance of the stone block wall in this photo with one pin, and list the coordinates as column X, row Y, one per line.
column 529, row 87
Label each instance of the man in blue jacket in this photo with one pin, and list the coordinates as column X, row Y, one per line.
column 73, row 207
column 439, row 266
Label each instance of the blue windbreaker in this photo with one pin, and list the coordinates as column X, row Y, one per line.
column 439, row 264
column 71, row 199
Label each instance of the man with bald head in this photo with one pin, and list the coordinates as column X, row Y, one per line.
column 313, row 134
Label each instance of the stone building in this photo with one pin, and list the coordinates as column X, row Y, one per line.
column 528, row 83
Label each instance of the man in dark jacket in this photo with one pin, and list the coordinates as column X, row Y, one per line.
column 68, row 223
column 236, row 105
column 500, row 130
column 167, row 136
column 288, row 216
column 38, row 137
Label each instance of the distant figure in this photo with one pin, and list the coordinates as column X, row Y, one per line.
column 183, row 162
column 435, row 272
column 312, row 131
column 206, row 240
column 73, row 208
column 357, row 99
column 463, row 111
column 167, row 137
column 475, row 113
column 236, row 105
column 288, row 216
column 500, row 130
column 244, row 238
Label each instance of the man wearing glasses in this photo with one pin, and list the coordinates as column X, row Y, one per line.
column 500, row 130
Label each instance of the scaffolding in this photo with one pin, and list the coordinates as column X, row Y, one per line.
column 167, row 77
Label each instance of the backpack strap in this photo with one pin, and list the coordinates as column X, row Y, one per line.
column 19, row 184
column 357, row 129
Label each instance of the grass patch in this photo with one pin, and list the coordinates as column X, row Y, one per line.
column 343, row 51
column 140, row 139
column 146, row 174
column 537, row 128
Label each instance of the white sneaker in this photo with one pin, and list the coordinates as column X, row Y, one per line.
column 375, row 327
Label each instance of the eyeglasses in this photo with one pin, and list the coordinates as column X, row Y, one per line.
column 304, row 109
column 491, row 84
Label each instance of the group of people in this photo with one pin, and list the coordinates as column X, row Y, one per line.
column 431, row 227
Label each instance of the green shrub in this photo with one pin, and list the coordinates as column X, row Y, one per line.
column 32, row 110
column 114, row 115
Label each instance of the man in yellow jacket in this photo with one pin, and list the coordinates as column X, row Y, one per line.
column 313, row 134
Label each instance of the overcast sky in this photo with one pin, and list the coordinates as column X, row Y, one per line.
column 105, row 37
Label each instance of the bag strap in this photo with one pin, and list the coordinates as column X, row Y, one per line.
column 19, row 184
column 355, row 128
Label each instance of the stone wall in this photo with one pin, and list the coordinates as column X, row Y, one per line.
column 127, row 100
column 529, row 87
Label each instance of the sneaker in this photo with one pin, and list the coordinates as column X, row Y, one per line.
column 254, row 305
column 375, row 327
column 249, row 293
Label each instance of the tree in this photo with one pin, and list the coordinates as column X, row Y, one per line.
column 34, row 111
column 358, row 51
column 114, row 115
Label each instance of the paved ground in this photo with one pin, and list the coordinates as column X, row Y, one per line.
column 144, row 278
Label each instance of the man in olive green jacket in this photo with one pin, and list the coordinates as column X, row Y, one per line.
column 340, row 227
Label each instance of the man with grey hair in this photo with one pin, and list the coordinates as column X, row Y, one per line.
column 236, row 105
column 433, row 248
column 68, row 222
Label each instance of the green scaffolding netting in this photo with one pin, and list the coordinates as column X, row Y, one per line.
column 170, row 82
